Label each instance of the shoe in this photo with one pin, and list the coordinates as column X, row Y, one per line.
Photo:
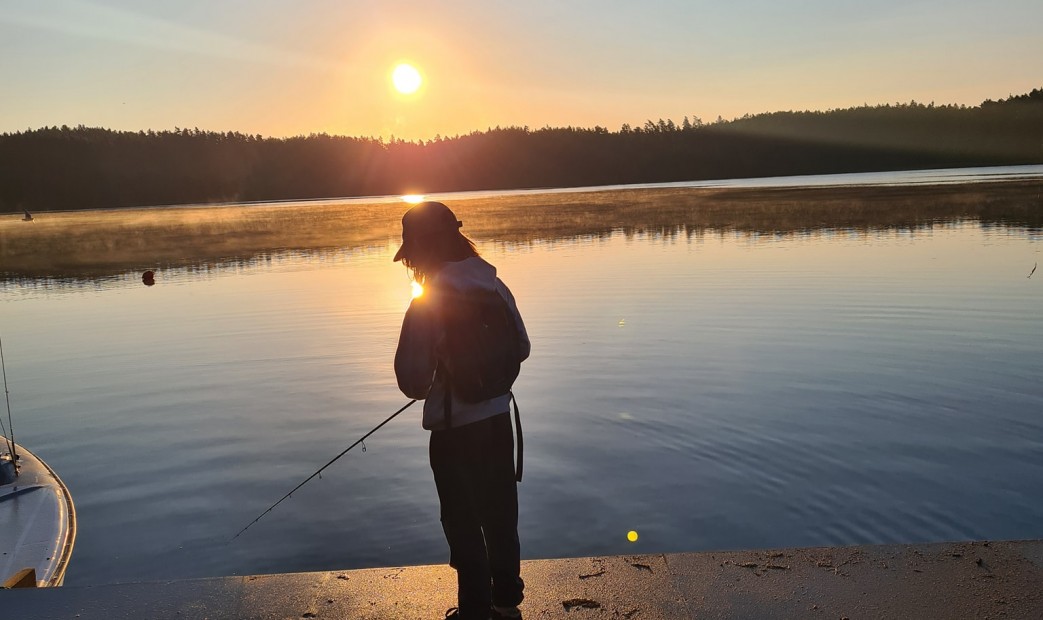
column 454, row 614
column 506, row 613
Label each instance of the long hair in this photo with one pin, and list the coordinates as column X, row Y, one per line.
column 436, row 249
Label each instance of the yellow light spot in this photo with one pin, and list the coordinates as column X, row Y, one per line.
column 406, row 79
column 632, row 536
column 413, row 199
column 622, row 322
column 417, row 289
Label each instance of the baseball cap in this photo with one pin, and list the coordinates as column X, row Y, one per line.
column 423, row 220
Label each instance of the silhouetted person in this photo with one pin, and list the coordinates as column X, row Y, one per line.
column 28, row 217
column 472, row 444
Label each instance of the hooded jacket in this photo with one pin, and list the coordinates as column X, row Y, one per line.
column 416, row 360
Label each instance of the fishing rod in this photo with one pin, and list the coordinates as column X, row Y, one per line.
column 319, row 471
column 7, row 396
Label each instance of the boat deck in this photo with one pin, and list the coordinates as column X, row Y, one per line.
column 37, row 523
column 942, row 580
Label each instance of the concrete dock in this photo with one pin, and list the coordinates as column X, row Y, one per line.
column 940, row 580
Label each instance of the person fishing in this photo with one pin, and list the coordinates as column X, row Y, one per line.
column 460, row 349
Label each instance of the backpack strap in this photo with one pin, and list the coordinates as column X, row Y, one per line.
column 447, row 403
column 521, row 443
column 442, row 370
column 447, row 410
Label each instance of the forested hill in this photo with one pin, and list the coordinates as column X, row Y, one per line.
column 83, row 167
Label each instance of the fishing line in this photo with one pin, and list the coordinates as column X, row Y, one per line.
column 7, row 397
column 319, row 471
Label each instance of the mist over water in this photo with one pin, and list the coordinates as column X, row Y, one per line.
column 706, row 388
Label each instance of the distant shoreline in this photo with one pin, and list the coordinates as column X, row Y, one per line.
column 60, row 168
column 917, row 177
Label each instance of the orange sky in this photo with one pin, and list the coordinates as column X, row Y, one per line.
column 284, row 68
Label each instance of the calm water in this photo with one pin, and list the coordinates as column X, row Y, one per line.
column 934, row 176
column 709, row 391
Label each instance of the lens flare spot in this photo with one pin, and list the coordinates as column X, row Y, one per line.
column 632, row 536
column 418, row 290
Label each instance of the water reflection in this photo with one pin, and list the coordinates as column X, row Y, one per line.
column 81, row 247
column 706, row 387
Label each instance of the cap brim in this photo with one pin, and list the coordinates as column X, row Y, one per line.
column 401, row 251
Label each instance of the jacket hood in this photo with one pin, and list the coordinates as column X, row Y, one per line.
column 468, row 274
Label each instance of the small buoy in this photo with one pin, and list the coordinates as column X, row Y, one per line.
column 632, row 536
column 148, row 278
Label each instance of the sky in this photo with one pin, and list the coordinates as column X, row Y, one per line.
column 296, row 67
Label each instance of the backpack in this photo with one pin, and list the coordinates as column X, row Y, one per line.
column 482, row 349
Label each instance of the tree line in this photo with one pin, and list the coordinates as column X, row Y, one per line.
column 84, row 167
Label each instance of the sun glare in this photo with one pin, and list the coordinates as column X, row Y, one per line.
column 406, row 79
column 413, row 199
column 417, row 289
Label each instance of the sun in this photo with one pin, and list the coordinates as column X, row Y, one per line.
column 406, row 78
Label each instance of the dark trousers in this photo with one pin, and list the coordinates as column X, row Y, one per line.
column 474, row 473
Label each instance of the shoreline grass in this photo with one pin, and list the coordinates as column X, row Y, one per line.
column 84, row 244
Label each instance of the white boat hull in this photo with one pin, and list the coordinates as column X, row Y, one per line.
column 37, row 524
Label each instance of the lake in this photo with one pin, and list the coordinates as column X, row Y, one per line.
column 715, row 384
